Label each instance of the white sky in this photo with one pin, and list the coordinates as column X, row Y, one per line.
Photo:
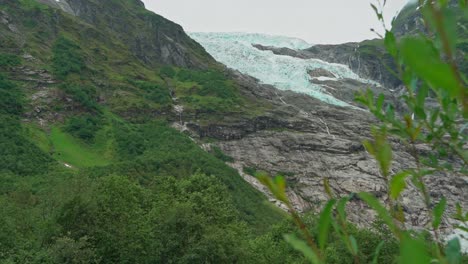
column 316, row 21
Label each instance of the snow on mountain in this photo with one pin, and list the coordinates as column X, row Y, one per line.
column 236, row 51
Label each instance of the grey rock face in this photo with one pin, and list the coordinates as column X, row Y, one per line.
column 320, row 73
column 346, row 90
column 151, row 38
column 7, row 21
column 309, row 141
column 347, row 54
column 366, row 60
column 60, row 4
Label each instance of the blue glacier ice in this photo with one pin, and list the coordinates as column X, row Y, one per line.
column 235, row 50
column 255, row 38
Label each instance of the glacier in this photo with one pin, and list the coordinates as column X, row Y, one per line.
column 236, row 51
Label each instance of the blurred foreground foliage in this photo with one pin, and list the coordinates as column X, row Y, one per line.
column 436, row 101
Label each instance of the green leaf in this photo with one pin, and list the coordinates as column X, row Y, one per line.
column 420, row 112
column 380, row 102
column 380, row 209
column 422, row 95
column 438, row 212
column 465, row 229
column 384, row 157
column 398, row 184
column 435, row 115
column 450, row 28
column 369, row 147
column 443, row 3
column 379, row 14
column 328, row 190
column 390, row 43
column 377, row 252
column 354, row 245
column 324, row 223
column 413, row 251
column 422, row 58
column 462, row 3
column 302, row 247
column 277, row 186
column 280, row 183
column 341, row 207
column 453, row 251
column 380, row 149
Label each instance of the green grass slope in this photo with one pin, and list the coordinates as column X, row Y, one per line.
column 89, row 150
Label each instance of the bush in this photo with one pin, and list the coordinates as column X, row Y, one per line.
column 250, row 171
column 86, row 95
column 9, row 60
column 67, row 58
column 214, row 93
column 130, row 142
column 10, row 98
column 84, row 127
column 189, row 220
column 168, row 71
column 167, row 152
column 17, row 154
column 218, row 153
column 154, row 92
column 272, row 248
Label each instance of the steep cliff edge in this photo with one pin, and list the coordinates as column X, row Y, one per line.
column 151, row 38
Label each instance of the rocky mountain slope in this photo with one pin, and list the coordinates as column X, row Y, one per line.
column 126, row 68
column 308, row 140
column 151, row 38
column 91, row 75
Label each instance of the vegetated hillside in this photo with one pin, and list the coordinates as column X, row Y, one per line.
column 150, row 37
column 93, row 171
column 88, row 159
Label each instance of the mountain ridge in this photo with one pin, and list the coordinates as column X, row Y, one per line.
column 113, row 115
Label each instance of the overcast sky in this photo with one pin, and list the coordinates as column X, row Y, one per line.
column 316, row 21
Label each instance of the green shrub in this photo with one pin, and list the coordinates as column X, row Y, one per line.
column 212, row 94
column 33, row 5
column 167, row 152
column 217, row 88
column 10, row 97
column 188, row 220
column 218, row 153
column 67, row 58
column 272, row 248
column 84, row 126
column 17, row 154
column 86, row 95
column 154, row 92
column 168, row 71
column 130, row 141
column 9, row 60
column 250, row 171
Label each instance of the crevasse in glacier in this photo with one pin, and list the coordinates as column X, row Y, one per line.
column 235, row 50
